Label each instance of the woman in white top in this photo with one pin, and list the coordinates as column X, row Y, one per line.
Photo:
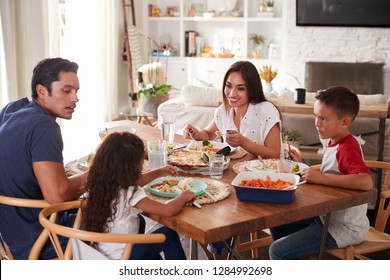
column 245, row 117
column 115, row 200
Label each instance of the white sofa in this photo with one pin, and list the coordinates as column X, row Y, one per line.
column 196, row 105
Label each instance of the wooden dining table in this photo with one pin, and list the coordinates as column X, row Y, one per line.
column 231, row 217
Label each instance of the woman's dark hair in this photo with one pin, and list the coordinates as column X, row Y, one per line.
column 116, row 166
column 252, row 80
column 47, row 71
column 342, row 101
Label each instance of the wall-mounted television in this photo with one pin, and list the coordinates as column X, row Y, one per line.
column 359, row 13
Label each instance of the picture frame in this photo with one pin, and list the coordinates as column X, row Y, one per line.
column 274, row 51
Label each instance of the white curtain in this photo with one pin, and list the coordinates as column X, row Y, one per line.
column 92, row 39
column 29, row 33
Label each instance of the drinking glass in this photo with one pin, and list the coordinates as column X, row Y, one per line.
column 157, row 154
column 285, row 166
column 168, row 127
column 216, row 166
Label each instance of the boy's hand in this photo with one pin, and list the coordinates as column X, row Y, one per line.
column 293, row 155
column 312, row 175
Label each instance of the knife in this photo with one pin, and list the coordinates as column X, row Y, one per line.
column 210, row 196
column 196, row 204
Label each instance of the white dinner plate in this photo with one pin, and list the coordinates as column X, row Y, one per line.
column 202, row 170
column 217, row 145
column 120, row 128
column 82, row 163
column 256, row 165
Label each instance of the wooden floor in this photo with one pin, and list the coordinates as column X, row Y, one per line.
column 263, row 252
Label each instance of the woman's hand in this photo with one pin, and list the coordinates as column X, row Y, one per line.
column 234, row 138
column 190, row 131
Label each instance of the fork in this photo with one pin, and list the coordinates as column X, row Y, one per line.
column 261, row 161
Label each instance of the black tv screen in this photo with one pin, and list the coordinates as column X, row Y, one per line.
column 360, row 13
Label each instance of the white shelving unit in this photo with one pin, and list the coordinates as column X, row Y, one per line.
column 218, row 32
column 224, row 34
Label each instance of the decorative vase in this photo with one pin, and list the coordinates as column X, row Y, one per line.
column 150, row 106
column 268, row 88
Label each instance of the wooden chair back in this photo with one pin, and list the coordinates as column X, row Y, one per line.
column 377, row 239
column 47, row 218
column 29, row 203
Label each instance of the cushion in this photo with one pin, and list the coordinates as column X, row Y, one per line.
column 201, row 96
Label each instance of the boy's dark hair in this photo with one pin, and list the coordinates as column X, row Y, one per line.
column 47, row 71
column 342, row 100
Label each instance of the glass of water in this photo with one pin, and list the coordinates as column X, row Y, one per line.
column 216, row 166
column 157, row 154
column 168, row 127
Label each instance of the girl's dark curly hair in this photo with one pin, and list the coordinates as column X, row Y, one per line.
column 117, row 165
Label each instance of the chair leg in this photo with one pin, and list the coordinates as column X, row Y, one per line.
column 255, row 252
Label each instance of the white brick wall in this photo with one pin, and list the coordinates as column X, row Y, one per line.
column 334, row 44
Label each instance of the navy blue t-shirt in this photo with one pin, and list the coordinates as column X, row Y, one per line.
column 27, row 134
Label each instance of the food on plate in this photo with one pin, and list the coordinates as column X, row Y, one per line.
column 268, row 183
column 166, row 186
column 193, row 145
column 207, row 143
column 169, row 148
column 90, row 158
column 174, row 186
column 187, row 159
column 186, row 184
column 295, row 168
column 270, row 163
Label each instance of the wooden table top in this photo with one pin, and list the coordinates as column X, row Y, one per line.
column 231, row 217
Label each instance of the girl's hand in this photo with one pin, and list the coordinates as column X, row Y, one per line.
column 168, row 170
column 188, row 195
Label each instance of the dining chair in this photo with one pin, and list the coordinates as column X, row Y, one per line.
column 47, row 218
column 377, row 239
column 29, row 203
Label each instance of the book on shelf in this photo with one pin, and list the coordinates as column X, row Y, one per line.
column 190, row 43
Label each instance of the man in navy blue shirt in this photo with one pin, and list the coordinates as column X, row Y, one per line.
column 31, row 164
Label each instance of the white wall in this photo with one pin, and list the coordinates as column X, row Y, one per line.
column 334, row 44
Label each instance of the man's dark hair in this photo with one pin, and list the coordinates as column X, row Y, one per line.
column 342, row 100
column 47, row 71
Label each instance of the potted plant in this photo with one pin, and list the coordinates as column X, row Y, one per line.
column 257, row 42
column 267, row 74
column 294, row 137
column 270, row 5
column 150, row 96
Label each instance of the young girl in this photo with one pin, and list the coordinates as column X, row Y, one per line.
column 115, row 199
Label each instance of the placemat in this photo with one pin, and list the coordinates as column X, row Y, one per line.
column 238, row 153
column 239, row 167
column 217, row 189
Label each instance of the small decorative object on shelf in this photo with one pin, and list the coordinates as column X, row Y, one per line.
column 257, row 42
column 270, row 5
column 267, row 74
column 262, row 6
